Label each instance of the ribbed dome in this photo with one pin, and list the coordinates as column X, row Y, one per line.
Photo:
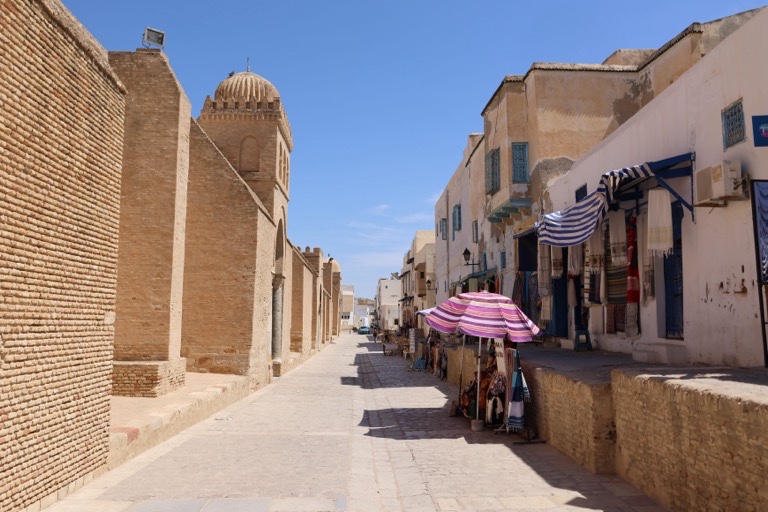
column 245, row 86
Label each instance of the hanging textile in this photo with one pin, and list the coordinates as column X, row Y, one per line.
column 633, row 280
column 557, row 262
column 517, row 290
column 615, row 274
column 545, row 270
column 576, row 223
column 761, row 221
column 586, row 291
column 519, row 395
column 575, row 260
column 595, row 288
column 659, row 222
column 596, row 246
column 645, row 260
column 617, row 231
column 546, row 309
column 534, row 311
column 633, row 275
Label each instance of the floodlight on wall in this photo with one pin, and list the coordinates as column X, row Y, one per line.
column 153, row 37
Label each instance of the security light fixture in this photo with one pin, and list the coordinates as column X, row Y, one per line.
column 153, row 37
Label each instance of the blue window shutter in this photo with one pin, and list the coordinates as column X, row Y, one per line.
column 492, row 171
column 520, row 172
column 733, row 125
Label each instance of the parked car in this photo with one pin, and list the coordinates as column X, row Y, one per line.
column 364, row 330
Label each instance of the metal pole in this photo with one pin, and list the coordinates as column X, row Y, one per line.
column 479, row 347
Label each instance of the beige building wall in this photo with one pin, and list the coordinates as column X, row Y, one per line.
column 466, row 188
column 721, row 293
column 61, row 137
column 226, row 326
column 152, row 226
column 302, row 337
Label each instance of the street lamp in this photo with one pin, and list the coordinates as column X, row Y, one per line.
column 467, row 255
column 429, row 284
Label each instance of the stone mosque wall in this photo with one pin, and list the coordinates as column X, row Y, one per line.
column 99, row 150
column 61, row 137
column 152, row 226
column 226, row 225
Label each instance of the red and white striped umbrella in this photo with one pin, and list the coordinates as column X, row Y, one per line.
column 483, row 314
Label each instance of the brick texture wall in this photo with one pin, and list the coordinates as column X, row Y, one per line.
column 693, row 443
column 575, row 415
column 61, row 129
column 227, row 288
column 152, row 221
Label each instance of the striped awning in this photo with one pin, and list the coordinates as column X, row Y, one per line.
column 575, row 224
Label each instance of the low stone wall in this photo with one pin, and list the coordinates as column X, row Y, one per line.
column 147, row 378
column 575, row 415
column 690, row 439
column 693, row 440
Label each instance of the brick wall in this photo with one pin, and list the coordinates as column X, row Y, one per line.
column 575, row 415
column 227, row 232
column 148, row 378
column 692, row 442
column 690, row 439
column 153, row 209
column 61, row 128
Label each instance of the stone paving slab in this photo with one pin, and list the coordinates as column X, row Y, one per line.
column 350, row 430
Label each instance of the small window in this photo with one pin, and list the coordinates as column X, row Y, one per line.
column 733, row 125
column 581, row 192
column 444, row 228
column 492, row 171
column 485, row 261
column 520, row 163
column 474, row 231
column 456, row 221
column 503, row 260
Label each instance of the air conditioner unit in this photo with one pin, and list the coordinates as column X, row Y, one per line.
column 719, row 182
column 703, row 190
column 726, row 180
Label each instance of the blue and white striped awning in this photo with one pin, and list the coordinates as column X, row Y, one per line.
column 575, row 224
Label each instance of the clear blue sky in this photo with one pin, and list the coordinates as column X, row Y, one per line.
column 381, row 96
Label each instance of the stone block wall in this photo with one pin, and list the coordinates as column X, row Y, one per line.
column 575, row 415
column 692, row 444
column 220, row 278
column 148, row 379
column 61, row 130
column 152, row 212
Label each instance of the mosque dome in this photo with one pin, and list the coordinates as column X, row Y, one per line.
column 245, row 87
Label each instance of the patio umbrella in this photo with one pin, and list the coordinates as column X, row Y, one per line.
column 482, row 314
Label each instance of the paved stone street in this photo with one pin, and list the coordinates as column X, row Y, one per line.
column 350, row 430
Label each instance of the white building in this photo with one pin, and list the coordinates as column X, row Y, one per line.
column 717, row 110
column 387, row 304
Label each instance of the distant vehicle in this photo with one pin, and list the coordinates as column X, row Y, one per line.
column 364, row 330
